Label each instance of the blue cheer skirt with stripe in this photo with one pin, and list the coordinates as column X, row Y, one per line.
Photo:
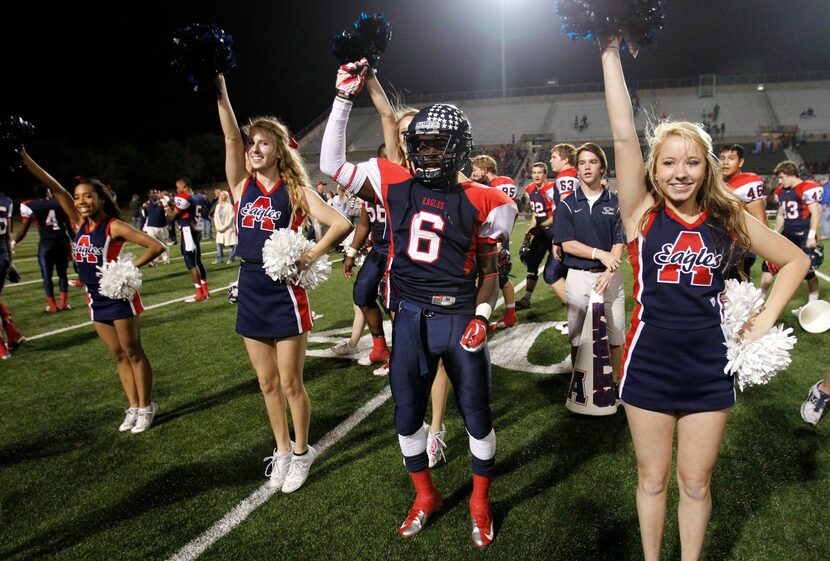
column 269, row 309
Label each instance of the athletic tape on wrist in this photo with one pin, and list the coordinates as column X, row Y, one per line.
column 351, row 252
column 484, row 310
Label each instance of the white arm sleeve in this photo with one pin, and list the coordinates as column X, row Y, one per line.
column 333, row 149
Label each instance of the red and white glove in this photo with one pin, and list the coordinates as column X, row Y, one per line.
column 351, row 77
column 475, row 336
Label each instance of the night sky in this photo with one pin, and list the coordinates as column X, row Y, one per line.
column 97, row 73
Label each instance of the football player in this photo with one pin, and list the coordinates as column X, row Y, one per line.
column 748, row 188
column 538, row 240
column 443, row 233
column 485, row 170
column 53, row 247
column 155, row 222
column 797, row 218
column 13, row 336
column 184, row 211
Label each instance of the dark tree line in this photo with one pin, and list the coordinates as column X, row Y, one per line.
column 126, row 167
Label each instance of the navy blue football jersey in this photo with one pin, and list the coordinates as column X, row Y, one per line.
column 48, row 215
column 435, row 233
column 6, row 211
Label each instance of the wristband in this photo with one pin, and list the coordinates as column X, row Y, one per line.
column 594, row 254
column 484, row 310
column 351, row 252
column 811, row 234
column 344, row 96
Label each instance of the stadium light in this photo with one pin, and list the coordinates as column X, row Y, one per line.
column 760, row 87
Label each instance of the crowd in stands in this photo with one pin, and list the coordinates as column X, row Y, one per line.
column 508, row 157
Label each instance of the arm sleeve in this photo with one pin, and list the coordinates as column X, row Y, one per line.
column 333, row 152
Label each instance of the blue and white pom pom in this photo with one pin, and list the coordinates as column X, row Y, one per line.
column 120, row 279
column 757, row 363
column 281, row 253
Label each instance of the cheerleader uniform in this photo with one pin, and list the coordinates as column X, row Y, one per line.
column 93, row 246
column 674, row 355
column 266, row 308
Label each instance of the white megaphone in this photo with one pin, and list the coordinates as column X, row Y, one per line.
column 814, row 317
column 592, row 384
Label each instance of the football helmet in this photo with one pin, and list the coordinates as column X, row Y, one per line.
column 438, row 141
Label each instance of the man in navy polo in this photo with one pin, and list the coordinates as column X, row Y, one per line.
column 588, row 227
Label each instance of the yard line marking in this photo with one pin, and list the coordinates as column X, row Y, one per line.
column 158, row 305
column 84, row 324
column 822, row 276
column 73, row 275
column 256, row 499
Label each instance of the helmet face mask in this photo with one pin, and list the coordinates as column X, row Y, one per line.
column 438, row 142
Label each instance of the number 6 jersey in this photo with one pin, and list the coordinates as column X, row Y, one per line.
column 435, row 233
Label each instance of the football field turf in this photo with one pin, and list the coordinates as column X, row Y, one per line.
column 73, row 487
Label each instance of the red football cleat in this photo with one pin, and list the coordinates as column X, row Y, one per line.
column 4, row 352
column 425, row 505
column 481, row 516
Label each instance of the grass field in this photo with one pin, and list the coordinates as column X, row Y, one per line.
column 73, row 487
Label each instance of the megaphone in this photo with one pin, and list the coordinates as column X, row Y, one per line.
column 814, row 317
column 592, row 383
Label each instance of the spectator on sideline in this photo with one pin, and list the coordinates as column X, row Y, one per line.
column 223, row 218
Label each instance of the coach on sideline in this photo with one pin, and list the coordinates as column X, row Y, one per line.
column 588, row 227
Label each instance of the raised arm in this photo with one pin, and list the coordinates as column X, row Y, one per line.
column 234, row 145
column 631, row 185
column 388, row 120
column 66, row 200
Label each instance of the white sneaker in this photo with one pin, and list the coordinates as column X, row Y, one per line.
column 298, row 470
column 131, row 416
column 436, row 446
column 277, row 468
column 315, row 316
column 813, row 407
column 344, row 349
column 382, row 370
column 145, row 419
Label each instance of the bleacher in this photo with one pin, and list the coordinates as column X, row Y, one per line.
column 746, row 112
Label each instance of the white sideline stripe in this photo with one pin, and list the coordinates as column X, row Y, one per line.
column 159, row 305
column 73, row 275
column 27, row 259
column 84, row 324
column 822, row 276
column 256, row 499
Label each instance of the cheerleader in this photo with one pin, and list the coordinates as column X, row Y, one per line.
column 682, row 225
column 274, row 318
column 97, row 241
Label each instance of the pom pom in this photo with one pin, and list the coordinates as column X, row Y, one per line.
column 14, row 133
column 202, row 52
column 635, row 20
column 120, row 279
column 281, row 253
column 371, row 35
column 758, row 362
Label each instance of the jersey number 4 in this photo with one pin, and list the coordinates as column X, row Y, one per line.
column 425, row 245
